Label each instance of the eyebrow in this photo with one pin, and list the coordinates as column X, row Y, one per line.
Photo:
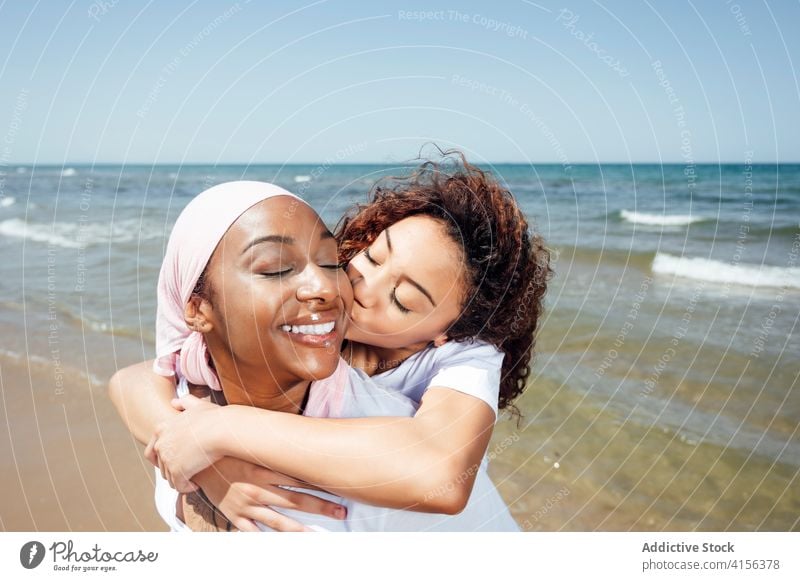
column 418, row 286
column 324, row 235
column 270, row 238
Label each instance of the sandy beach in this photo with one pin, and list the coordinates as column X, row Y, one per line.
column 68, row 462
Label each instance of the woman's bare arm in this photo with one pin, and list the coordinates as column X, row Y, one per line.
column 427, row 463
column 142, row 405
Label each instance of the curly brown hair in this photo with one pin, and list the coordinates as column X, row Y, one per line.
column 507, row 266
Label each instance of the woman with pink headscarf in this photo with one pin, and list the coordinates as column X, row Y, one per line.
column 222, row 309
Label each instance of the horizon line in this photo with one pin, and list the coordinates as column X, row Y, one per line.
column 381, row 163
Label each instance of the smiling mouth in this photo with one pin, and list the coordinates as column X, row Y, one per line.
column 319, row 329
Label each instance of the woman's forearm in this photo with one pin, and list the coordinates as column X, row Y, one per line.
column 142, row 399
column 427, row 463
column 374, row 460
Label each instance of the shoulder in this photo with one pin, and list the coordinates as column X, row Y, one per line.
column 470, row 351
column 471, row 367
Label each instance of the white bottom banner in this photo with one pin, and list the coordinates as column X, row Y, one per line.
column 768, row 556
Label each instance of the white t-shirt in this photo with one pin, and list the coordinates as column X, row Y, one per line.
column 472, row 368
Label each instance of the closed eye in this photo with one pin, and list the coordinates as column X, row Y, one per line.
column 369, row 257
column 397, row 303
column 275, row 274
column 334, row 266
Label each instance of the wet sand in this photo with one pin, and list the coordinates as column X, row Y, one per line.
column 68, row 462
column 572, row 465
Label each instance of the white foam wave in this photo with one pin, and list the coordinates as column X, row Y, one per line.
column 22, row 170
column 79, row 234
column 109, row 329
column 302, row 179
column 722, row 272
column 16, row 228
column 43, row 362
column 10, row 354
column 17, row 357
column 68, row 172
column 659, row 219
column 6, row 201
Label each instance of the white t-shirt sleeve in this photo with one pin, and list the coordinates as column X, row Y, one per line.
column 471, row 368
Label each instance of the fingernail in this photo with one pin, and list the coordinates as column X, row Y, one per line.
column 340, row 512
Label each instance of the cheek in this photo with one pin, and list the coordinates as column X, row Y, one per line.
column 254, row 308
column 396, row 325
column 345, row 290
column 424, row 327
column 396, row 331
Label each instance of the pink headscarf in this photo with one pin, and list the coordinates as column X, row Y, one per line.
column 196, row 234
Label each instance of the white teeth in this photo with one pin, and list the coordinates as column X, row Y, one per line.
column 320, row 329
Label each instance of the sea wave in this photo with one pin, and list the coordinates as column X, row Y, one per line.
column 19, row 357
column 566, row 254
column 722, row 272
column 16, row 228
column 39, row 362
column 68, row 172
column 87, row 323
column 6, row 201
column 772, row 230
column 302, row 179
column 659, row 219
column 80, row 234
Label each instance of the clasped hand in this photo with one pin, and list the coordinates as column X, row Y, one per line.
column 181, row 447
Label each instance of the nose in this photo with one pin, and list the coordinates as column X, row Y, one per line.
column 318, row 286
column 364, row 282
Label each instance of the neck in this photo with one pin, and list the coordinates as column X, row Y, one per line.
column 373, row 360
column 262, row 394
column 257, row 386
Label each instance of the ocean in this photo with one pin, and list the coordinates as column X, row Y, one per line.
column 664, row 391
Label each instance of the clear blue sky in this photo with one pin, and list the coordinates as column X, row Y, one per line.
column 370, row 82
